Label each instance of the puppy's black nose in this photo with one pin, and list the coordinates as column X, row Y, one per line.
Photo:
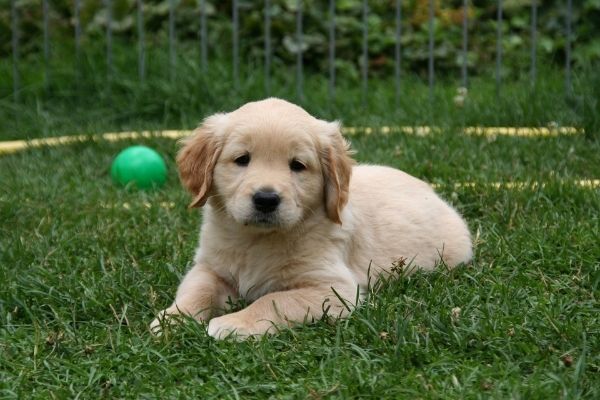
column 266, row 201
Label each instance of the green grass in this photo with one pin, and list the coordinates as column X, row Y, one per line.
column 85, row 266
column 83, row 276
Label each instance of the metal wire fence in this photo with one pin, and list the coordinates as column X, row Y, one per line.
column 299, row 37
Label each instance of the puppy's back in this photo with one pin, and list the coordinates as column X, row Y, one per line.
column 395, row 215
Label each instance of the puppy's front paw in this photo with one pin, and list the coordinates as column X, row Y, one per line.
column 156, row 326
column 227, row 325
column 236, row 327
column 167, row 317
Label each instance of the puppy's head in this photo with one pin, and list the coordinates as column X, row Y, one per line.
column 268, row 164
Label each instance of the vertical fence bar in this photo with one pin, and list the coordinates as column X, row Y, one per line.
column 397, row 53
column 141, row 52
column 77, row 41
column 203, row 38
column 568, row 87
column 108, row 5
column 430, row 50
column 365, row 51
column 172, row 39
column 15, row 50
column 299, row 55
column 331, row 50
column 236, row 26
column 45, row 12
column 533, row 42
column 498, row 47
column 465, row 42
column 267, row 48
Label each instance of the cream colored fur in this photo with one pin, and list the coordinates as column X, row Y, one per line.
column 336, row 222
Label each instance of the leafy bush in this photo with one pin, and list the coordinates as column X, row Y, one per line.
column 516, row 32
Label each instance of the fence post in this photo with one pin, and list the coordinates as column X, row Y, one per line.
column 498, row 47
column 465, row 40
column 203, row 38
column 331, row 50
column 141, row 54
column 430, row 51
column 77, row 42
column 235, row 17
column 299, row 55
column 397, row 53
column 267, row 48
column 15, row 50
column 365, row 50
column 533, row 42
column 108, row 5
column 568, row 87
column 172, row 39
column 45, row 12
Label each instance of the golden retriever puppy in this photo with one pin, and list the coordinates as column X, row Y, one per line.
column 292, row 227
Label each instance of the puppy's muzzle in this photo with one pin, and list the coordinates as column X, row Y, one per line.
column 266, row 201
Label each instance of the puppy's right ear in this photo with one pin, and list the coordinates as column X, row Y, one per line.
column 337, row 169
column 197, row 158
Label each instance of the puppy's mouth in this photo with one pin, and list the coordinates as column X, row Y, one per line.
column 263, row 220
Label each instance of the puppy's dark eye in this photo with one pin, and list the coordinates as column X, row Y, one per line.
column 243, row 161
column 297, row 166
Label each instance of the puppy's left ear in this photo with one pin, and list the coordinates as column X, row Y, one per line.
column 197, row 158
column 337, row 170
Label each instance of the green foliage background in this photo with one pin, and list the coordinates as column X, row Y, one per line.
column 381, row 25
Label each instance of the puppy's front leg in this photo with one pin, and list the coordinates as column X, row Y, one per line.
column 200, row 295
column 284, row 308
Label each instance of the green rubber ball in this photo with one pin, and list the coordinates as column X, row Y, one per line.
column 140, row 167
